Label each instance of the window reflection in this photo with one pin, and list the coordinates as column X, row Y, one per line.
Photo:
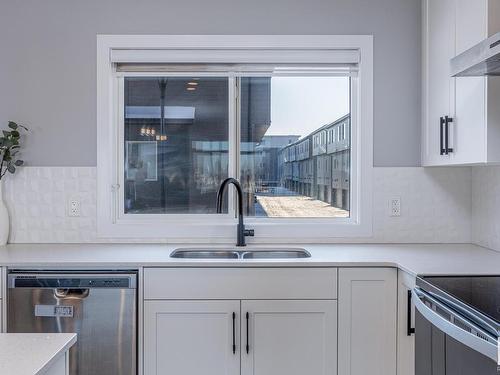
column 294, row 145
column 176, row 143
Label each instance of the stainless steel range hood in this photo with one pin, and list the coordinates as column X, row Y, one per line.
column 481, row 60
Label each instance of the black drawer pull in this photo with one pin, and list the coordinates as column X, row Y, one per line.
column 409, row 329
column 447, row 120
column 248, row 345
column 441, row 131
column 234, row 333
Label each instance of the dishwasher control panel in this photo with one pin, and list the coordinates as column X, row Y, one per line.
column 74, row 281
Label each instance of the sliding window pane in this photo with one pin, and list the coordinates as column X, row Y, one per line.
column 295, row 146
column 176, row 143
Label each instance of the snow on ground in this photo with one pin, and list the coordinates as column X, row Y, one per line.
column 298, row 206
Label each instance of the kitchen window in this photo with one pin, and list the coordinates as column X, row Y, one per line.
column 185, row 121
column 174, row 122
column 281, row 115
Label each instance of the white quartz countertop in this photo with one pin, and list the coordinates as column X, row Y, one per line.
column 453, row 259
column 32, row 353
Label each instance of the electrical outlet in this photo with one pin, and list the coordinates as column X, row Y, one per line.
column 395, row 206
column 74, row 208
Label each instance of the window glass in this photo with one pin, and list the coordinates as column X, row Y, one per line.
column 175, row 143
column 288, row 169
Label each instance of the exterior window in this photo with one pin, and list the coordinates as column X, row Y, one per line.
column 176, row 115
column 175, row 143
column 273, row 123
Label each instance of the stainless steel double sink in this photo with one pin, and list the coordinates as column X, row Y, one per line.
column 261, row 253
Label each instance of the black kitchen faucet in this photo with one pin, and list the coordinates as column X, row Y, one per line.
column 241, row 231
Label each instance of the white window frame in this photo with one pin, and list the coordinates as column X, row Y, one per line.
column 221, row 228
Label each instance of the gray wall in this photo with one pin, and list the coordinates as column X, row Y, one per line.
column 48, row 60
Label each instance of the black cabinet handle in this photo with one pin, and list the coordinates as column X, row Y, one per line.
column 409, row 329
column 447, row 120
column 441, row 131
column 248, row 346
column 234, row 333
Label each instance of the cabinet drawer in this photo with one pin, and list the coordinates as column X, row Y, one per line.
column 240, row 283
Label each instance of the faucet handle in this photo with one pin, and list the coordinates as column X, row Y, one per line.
column 249, row 232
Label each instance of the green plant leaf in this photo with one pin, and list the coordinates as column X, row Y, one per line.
column 9, row 147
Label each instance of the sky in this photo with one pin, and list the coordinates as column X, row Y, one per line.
column 300, row 105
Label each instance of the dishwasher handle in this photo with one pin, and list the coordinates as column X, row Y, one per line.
column 66, row 293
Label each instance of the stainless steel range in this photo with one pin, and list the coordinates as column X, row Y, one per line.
column 457, row 325
column 100, row 307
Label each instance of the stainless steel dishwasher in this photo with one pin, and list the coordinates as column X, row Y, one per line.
column 100, row 307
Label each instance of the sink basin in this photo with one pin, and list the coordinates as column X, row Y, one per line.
column 204, row 254
column 276, row 254
column 240, row 254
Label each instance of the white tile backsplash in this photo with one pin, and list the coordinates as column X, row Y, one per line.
column 486, row 206
column 37, row 199
column 435, row 205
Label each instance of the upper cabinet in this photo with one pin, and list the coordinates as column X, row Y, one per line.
column 461, row 118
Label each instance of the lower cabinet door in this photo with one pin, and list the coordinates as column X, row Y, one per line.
column 288, row 337
column 191, row 337
column 367, row 321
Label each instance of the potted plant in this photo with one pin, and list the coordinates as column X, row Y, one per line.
column 9, row 148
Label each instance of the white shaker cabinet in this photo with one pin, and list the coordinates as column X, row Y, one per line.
column 406, row 324
column 191, row 337
column 314, row 321
column 286, row 316
column 289, row 338
column 277, row 337
column 461, row 119
column 367, row 321
column 438, row 87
